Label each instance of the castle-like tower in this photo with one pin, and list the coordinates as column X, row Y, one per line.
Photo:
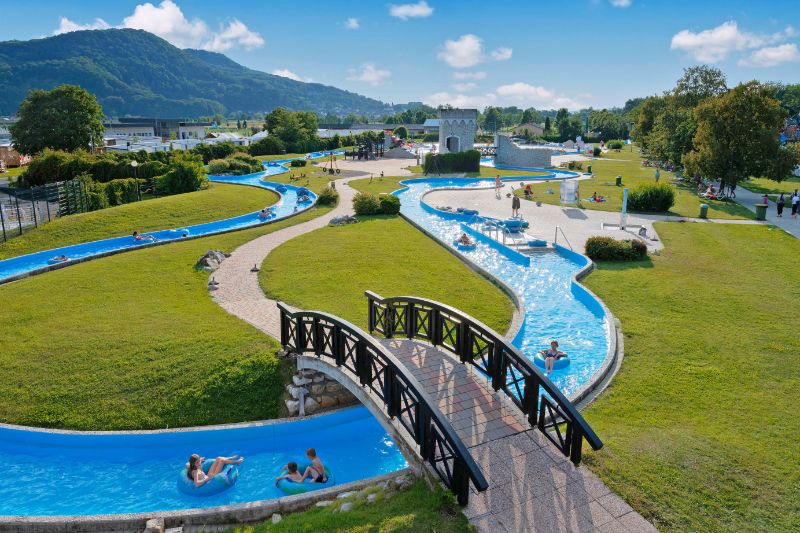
column 457, row 129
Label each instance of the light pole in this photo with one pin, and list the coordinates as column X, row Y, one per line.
column 135, row 164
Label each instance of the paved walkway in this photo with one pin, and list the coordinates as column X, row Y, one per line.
column 790, row 225
column 238, row 291
column 532, row 487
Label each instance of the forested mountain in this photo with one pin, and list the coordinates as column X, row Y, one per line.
column 133, row 72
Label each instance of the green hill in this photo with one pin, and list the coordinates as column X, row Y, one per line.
column 133, row 72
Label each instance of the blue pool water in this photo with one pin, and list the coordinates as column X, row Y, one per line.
column 552, row 308
column 285, row 207
column 49, row 473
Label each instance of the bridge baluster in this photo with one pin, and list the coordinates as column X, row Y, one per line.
column 530, row 403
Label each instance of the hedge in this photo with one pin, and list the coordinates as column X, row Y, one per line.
column 469, row 161
column 608, row 249
column 328, row 196
column 652, row 198
column 366, row 203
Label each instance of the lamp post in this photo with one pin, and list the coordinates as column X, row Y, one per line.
column 135, row 164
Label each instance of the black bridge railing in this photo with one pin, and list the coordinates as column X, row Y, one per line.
column 403, row 397
column 508, row 369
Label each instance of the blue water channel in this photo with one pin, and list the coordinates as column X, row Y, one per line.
column 286, row 206
column 50, row 473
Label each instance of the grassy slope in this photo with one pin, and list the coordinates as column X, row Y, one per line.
column 215, row 203
column 385, row 255
column 764, row 185
column 412, row 511
column 701, row 423
column 627, row 164
column 134, row 341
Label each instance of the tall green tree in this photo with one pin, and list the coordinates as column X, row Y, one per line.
column 561, row 115
column 789, row 97
column 530, row 115
column 547, row 125
column 697, row 84
column 673, row 130
column 606, row 124
column 66, row 118
column 737, row 137
column 492, row 119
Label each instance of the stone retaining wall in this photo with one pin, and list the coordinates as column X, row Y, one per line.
column 511, row 154
column 319, row 392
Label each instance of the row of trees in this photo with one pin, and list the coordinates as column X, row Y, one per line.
column 716, row 132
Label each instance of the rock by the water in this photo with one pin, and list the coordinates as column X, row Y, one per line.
column 346, row 506
column 293, row 406
column 311, row 405
column 211, row 260
column 324, row 503
column 276, row 518
column 342, row 220
column 344, row 495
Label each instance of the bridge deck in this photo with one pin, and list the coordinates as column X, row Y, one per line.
column 532, row 487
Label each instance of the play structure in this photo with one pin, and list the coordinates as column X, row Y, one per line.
column 330, row 166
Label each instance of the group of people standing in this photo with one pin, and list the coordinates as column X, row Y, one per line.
column 794, row 200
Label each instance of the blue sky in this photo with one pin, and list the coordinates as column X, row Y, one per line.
column 543, row 54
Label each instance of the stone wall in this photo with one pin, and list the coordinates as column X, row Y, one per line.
column 319, row 392
column 460, row 124
column 512, row 154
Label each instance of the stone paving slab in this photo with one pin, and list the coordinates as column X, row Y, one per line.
column 533, row 487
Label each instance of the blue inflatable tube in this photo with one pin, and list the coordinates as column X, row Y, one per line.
column 281, row 188
column 292, row 487
column 219, row 483
column 464, row 247
column 563, row 362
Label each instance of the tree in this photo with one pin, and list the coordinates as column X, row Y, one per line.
column 66, row 118
column 530, row 115
column 238, row 124
column 547, row 126
column 608, row 125
column 789, row 97
column 644, row 117
column 561, row 115
column 350, row 119
column 570, row 127
column 492, row 119
column 401, row 132
column 737, row 137
column 672, row 133
column 699, row 83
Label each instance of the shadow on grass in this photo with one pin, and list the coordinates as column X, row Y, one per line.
column 619, row 266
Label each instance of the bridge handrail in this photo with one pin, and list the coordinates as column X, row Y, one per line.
column 476, row 343
column 330, row 336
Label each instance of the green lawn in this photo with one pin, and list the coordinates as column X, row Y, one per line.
column 700, row 426
column 605, row 170
column 315, row 179
column 215, row 203
column 486, row 172
column 764, row 185
column 385, row 255
column 134, row 341
column 378, row 185
column 415, row 510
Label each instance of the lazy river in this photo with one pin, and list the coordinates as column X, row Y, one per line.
column 64, row 473
column 42, row 261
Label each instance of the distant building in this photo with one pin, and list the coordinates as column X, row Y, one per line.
column 166, row 128
column 457, row 129
column 530, row 129
column 227, row 136
column 431, row 125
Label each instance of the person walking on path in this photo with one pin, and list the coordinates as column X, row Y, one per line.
column 497, row 186
column 780, row 203
column 515, row 206
column 795, row 200
column 658, row 175
column 765, row 199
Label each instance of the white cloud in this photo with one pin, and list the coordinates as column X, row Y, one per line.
column 406, row 11
column 351, row 23
column 621, row 3
column 716, row 44
column 286, row 73
column 469, row 75
column 466, row 51
column 460, row 100
column 167, row 21
column 525, row 94
column 368, row 73
column 772, row 56
column 66, row 25
column 519, row 94
column 464, row 87
column 502, row 54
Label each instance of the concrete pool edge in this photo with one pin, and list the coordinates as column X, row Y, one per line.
column 223, row 515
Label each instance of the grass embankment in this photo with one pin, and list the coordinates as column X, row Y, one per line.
column 764, row 185
column 628, row 165
column 134, row 341
column 417, row 509
column 217, row 202
column 329, row 269
column 700, row 426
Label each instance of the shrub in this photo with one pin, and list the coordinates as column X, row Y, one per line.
column 186, row 175
column 214, row 151
column 96, row 197
column 297, row 163
column 652, row 197
column 390, row 204
column 469, row 161
column 615, row 144
column 401, row 132
column 218, row 166
column 269, row 145
column 328, row 196
column 365, row 203
column 121, row 191
column 430, row 138
column 597, row 151
column 608, row 249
